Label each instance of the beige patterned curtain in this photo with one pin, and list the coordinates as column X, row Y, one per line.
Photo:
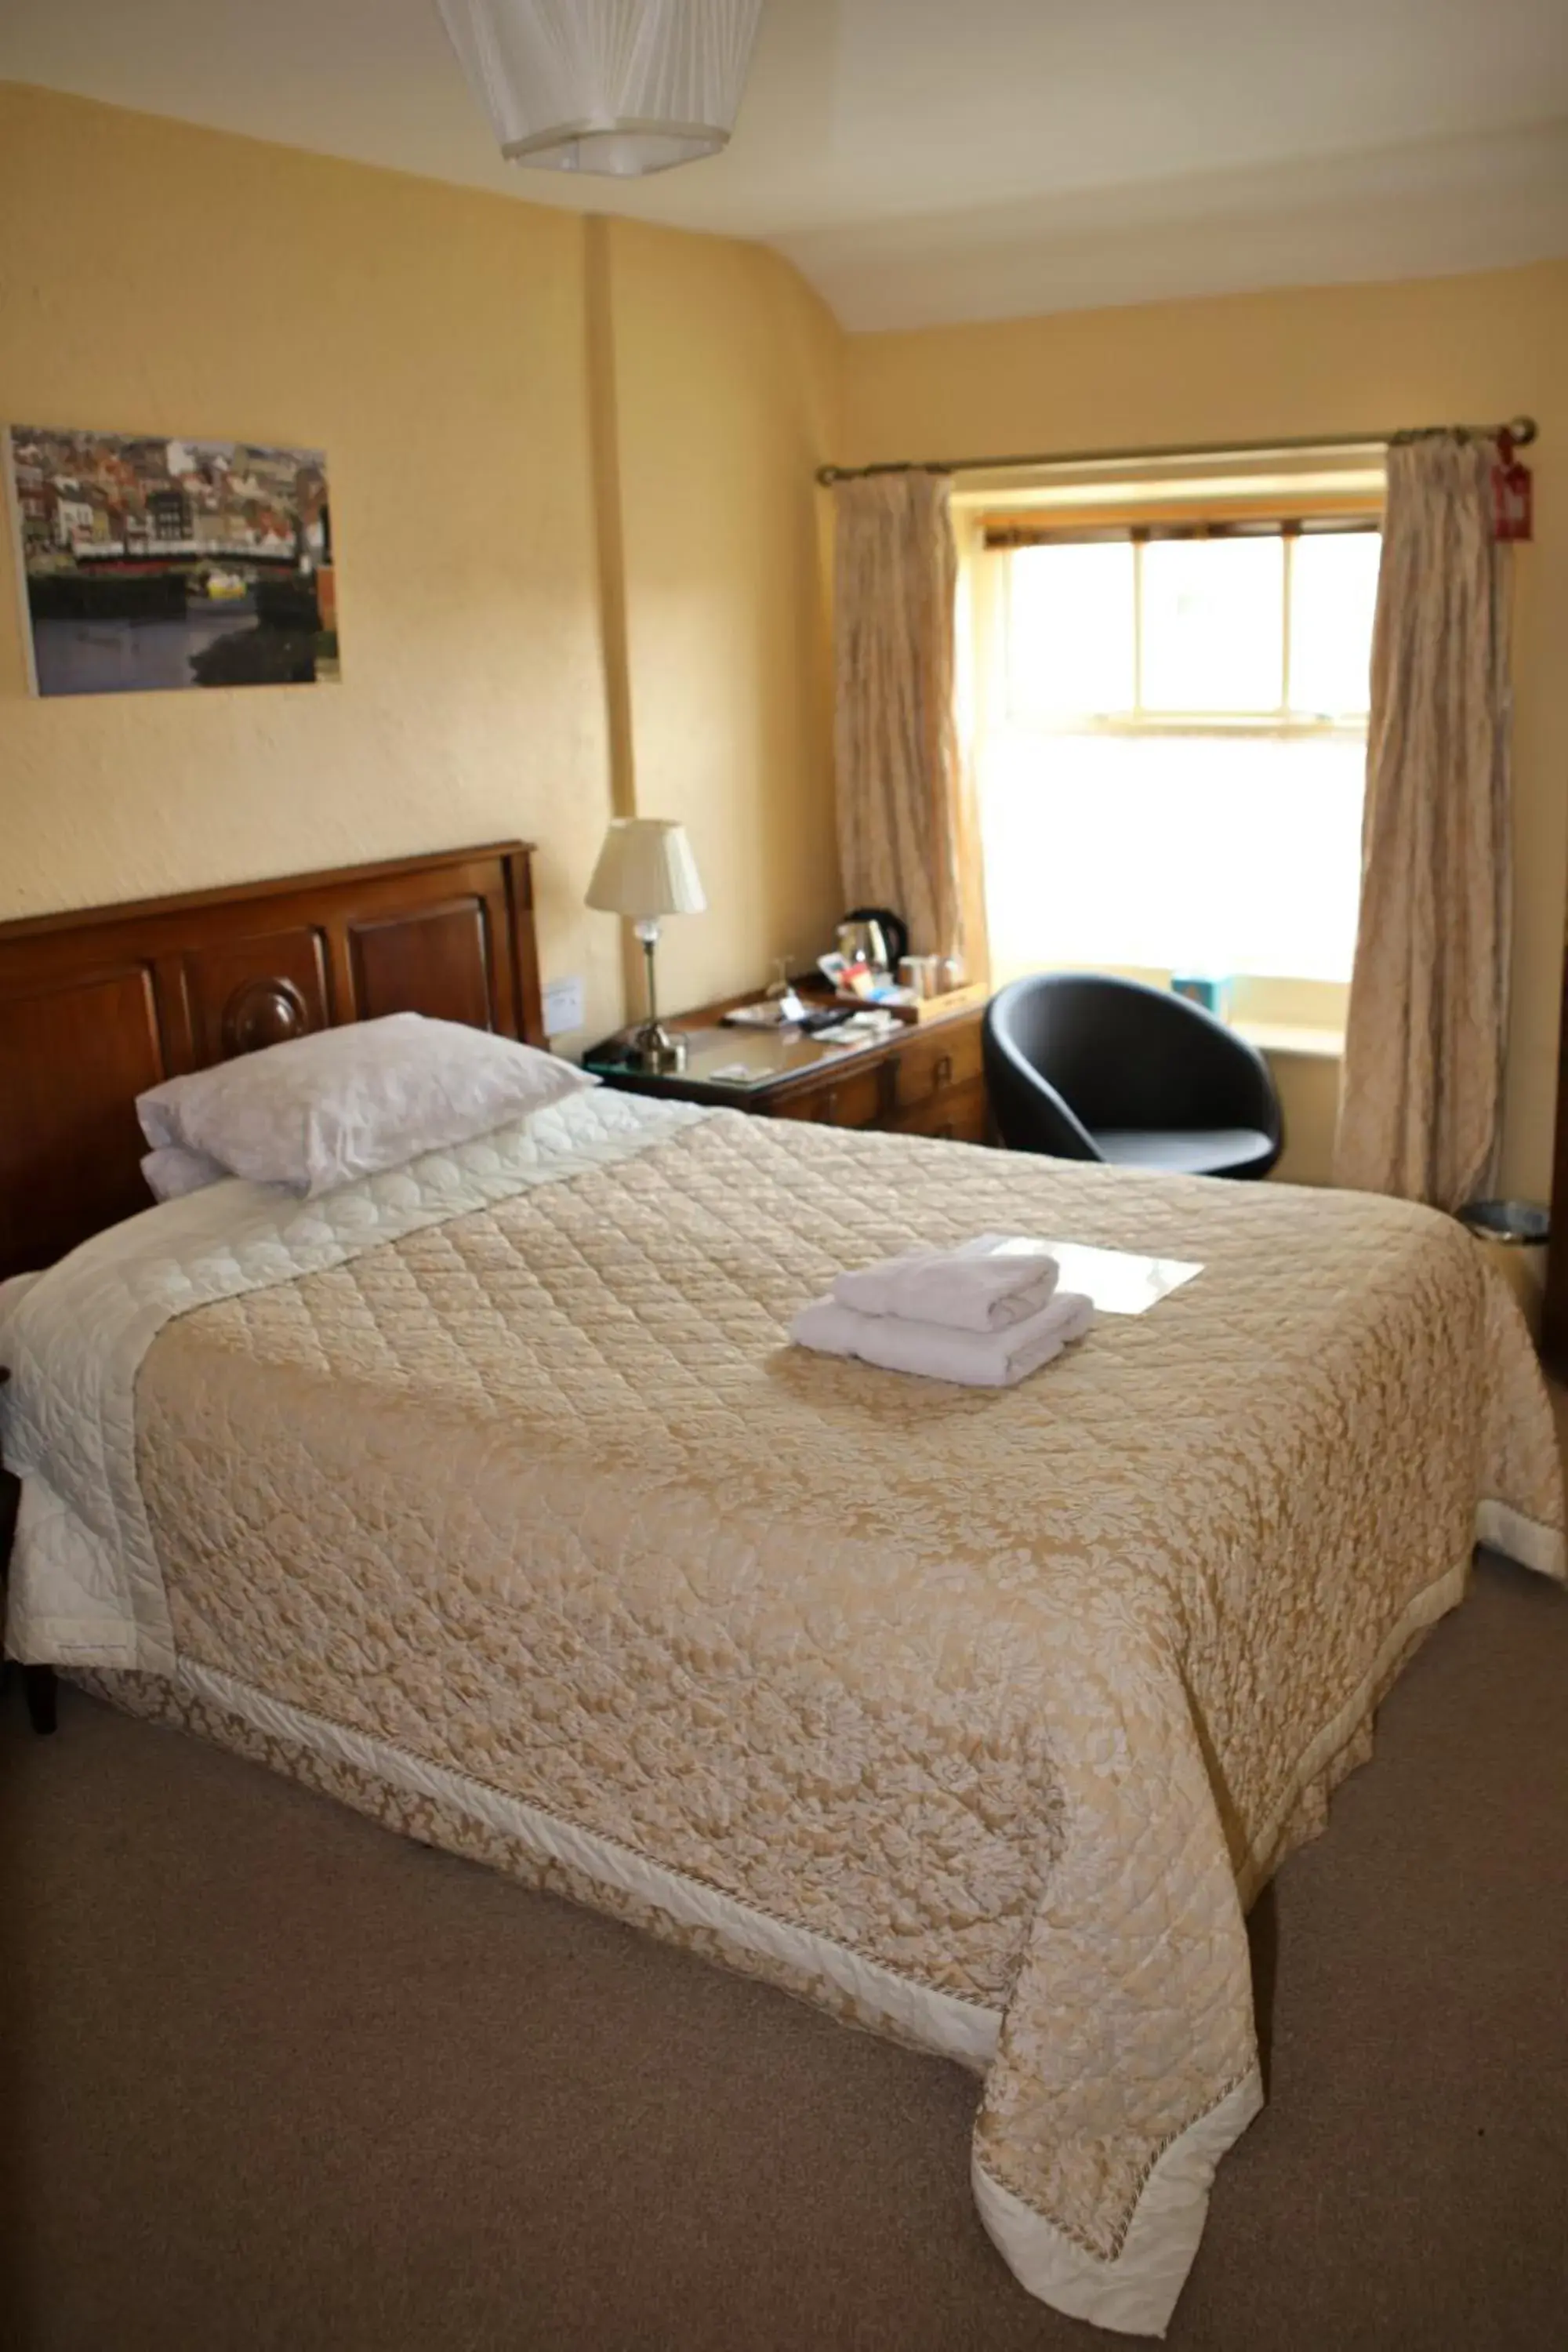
column 901, row 814
column 1421, row 1100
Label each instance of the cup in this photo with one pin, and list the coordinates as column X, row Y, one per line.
column 921, row 974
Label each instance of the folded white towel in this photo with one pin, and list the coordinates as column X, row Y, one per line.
column 969, row 1288
column 983, row 1359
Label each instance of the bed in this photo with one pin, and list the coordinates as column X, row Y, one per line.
column 486, row 1496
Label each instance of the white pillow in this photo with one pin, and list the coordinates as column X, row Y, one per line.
column 172, row 1172
column 320, row 1110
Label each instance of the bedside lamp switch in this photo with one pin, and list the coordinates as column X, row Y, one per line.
column 564, row 1007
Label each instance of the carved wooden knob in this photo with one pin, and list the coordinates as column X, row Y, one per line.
column 942, row 1074
column 263, row 1013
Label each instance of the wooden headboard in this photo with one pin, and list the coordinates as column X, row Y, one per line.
column 96, row 1006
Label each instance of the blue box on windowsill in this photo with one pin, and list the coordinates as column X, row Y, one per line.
column 1209, row 989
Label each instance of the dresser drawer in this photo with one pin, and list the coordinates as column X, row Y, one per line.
column 853, row 1098
column 959, row 1113
column 931, row 1065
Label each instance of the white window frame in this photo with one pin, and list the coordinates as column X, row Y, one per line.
column 996, row 574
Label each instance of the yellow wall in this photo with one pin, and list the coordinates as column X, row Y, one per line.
column 727, row 382
column 435, row 343
column 1319, row 360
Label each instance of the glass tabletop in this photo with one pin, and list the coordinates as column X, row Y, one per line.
column 740, row 1058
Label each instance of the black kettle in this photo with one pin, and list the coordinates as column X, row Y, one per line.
column 894, row 930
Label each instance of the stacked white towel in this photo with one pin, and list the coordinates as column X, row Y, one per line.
column 970, row 1288
column 964, row 1315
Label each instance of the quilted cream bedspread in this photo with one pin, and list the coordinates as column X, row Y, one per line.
column 979, row 1715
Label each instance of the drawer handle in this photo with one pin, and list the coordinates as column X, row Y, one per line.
column 941, row 1076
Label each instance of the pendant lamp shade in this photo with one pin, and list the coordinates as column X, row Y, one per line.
column 619, row 87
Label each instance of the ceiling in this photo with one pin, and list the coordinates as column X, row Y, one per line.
column 932, row 160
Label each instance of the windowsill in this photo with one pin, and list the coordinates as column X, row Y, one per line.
column 1292, row 1037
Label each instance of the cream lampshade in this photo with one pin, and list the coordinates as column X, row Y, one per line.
column 646, row 870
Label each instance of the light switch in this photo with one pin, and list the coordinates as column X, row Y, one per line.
column 564, row 1006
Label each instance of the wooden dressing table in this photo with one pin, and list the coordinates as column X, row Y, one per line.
column 924, row 1079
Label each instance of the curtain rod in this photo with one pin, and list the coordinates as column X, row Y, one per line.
column 1522, row 431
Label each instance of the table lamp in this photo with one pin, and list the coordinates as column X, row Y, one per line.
column 646, row 870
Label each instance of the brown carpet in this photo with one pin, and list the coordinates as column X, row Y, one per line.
column 274, row 2077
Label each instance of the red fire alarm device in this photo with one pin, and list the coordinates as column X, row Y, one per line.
column 1512, row 487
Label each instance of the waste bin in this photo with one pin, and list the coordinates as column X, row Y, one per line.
column 1514, row 1234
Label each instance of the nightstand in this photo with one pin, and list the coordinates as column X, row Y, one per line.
column 925, row 1079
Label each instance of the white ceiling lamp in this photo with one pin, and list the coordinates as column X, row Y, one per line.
column 621, row 86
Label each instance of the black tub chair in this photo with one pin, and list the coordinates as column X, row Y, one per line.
column 1087, row 1067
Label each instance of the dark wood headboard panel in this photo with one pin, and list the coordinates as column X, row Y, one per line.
column 94, row 1006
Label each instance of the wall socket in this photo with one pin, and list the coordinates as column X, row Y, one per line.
column 564, row 1007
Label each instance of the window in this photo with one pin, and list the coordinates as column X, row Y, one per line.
column 1172, row 746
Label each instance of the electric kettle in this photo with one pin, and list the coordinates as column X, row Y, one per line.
column 874, row 935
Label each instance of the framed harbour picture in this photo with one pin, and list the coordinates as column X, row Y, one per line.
column 149, row 563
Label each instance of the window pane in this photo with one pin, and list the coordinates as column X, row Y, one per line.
column 1213, row 624
column 1173, row 853
column 1333, row 590
column 1070, row 639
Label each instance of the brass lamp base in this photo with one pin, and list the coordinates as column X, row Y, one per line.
column 656, row 1050
column 653, row 1050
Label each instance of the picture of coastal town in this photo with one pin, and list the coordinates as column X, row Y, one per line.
column 152, row 563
